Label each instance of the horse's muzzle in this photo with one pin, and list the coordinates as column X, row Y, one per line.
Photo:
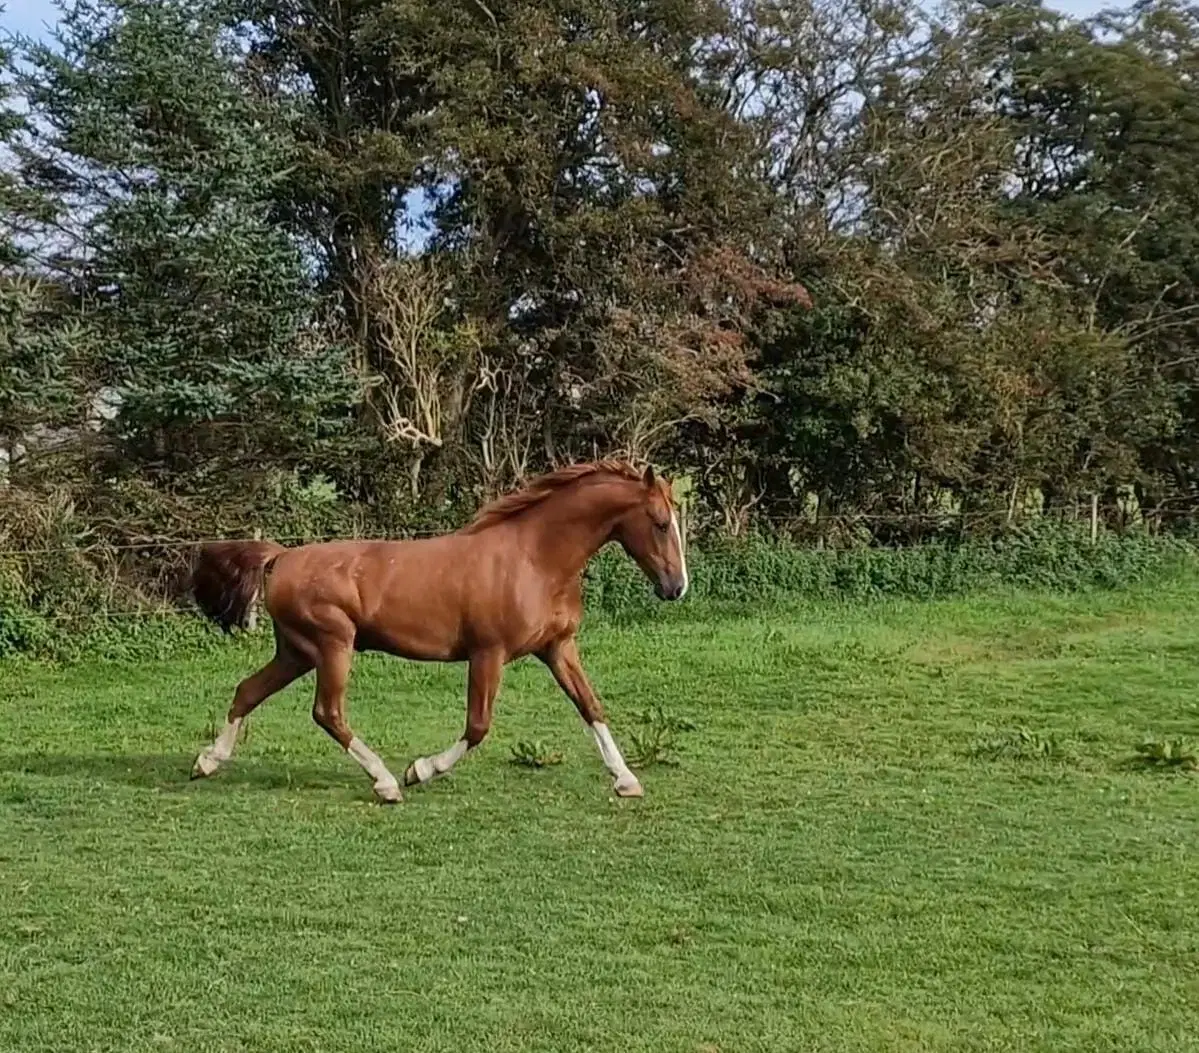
column 670, row 590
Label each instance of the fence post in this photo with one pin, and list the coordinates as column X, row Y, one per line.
column 1094, row 518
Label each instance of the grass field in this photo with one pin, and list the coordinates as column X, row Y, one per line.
column 851, row 855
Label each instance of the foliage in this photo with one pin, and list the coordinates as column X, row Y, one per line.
column 847, row 267
column 1110, row 124
column 38, row 391
column 1021, row 744
column 533, row 753
column 1167, row 754
column 67, row 598
column 21, row 206
column 200, row 313
column 759, row 570
column 22, row 630
column 655, row 737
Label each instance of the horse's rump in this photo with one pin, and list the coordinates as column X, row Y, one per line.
column 227, row 578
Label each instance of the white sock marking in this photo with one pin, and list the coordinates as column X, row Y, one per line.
column 678, row 536
column 613, row 759
column 220, row 750
column 372, row 762
column 440, row 763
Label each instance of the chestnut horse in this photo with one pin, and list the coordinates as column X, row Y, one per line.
column 506, row 585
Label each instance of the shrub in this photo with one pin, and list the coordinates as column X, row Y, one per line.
column 76, row 599
column 1044, row 556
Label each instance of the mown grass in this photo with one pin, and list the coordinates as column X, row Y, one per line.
column 842, row 860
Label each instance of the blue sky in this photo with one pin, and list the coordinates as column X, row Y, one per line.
column 33, row 16
column 28, row 16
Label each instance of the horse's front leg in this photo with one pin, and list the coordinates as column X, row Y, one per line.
column 486, row 671
column 562, row 657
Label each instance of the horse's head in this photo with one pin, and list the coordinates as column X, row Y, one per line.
column 649, row 532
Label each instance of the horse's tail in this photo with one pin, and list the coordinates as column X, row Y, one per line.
column 227, row 579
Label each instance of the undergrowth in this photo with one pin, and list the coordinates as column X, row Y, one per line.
column 1046, row 557
column 533, row 753
column 75, row 605
column 654, row 738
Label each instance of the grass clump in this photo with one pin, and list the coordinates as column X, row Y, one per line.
column 533, row 753
column 1167, row 754
column 1021, row 744
column 655, row 738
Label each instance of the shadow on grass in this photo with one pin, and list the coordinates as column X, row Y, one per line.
column 172, row 772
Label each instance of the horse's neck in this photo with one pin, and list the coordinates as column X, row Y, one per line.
column 570, row 528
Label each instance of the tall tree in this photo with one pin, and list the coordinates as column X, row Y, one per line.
column 36, row 386
column 1110, row 121
column 585, row 191
column 200, row 308
column 951, row 348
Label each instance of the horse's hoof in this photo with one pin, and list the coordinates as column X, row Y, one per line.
column 628, row 786
column 388, row 793
column 420, row 771
column 204, row 766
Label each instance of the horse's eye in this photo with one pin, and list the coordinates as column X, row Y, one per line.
column 661, row 528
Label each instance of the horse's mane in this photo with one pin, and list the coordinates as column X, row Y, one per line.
column 509, row 505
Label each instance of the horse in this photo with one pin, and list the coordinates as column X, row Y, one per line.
column 506, row 585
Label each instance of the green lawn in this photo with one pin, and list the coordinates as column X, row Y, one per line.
column 829, row 868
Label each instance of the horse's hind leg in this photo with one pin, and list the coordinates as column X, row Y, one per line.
column 483, row 684
column 328, row 710
column 273, row 677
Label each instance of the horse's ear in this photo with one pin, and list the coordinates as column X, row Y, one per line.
column 649, row 478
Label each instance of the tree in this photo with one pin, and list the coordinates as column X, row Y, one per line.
column 623, row 209
column 950, row 349
column 200, row 309
column 1110, row 124
column 583, row 183
column 36, row 386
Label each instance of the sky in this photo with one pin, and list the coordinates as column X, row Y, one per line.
column 33, row 17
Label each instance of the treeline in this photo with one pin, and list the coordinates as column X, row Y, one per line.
column 855, row 269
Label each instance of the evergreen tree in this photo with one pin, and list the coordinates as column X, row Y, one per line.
column 201, row 309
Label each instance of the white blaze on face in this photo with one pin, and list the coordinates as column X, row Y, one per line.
column 678, row 537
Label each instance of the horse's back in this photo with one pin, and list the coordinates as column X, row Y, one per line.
column 428, row 599
column 404, row 597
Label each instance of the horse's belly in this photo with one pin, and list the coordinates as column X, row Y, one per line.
column 420, row 643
